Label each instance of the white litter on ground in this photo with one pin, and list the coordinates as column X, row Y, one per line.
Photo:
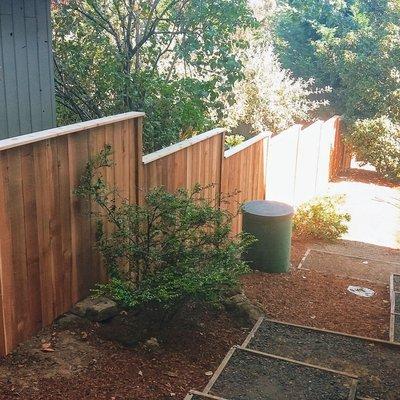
column 361, row 291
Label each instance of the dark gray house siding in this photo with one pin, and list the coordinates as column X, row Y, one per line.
column 27, row 100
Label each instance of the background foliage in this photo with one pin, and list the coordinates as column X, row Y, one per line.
column 189, row 64
column 354, row 47
column 169, row 58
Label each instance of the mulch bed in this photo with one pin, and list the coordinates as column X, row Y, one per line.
column 187, row 352
column 84, row 366
column 322, row 301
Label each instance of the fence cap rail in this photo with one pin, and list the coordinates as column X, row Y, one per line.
column 247, row 143
column 21, row 140
column 181, row 145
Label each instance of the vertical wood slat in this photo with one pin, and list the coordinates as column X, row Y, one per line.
column 200, row 163
column 47, row 261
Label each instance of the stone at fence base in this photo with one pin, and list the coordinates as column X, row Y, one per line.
column 69, row 320
column 96, row 309
column 243, row 308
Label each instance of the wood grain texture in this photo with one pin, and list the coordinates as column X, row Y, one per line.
column 47, row 257
column 244, row 178
column 199, row 163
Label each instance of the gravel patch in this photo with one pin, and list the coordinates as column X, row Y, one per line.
column 249, row 376
column 377, row 364
column 396, row 283
column 397, row 302
column 397, row 328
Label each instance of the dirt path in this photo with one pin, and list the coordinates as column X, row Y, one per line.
column 374, row 205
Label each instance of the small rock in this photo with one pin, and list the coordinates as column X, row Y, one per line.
column 243, row 308
column 96, row 309
column 208, row 373
column 70, row 320
column 152, row 343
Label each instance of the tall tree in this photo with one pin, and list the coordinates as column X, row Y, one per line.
column 351, row 45
column 119, row 55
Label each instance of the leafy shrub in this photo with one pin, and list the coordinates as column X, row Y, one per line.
column 320, row 219
column 233, row 140
column 377, row 141
column 173, row 248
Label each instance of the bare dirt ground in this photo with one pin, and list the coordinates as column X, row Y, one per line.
column 79, row 365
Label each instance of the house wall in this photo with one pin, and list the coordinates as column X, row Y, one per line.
column 27, row 99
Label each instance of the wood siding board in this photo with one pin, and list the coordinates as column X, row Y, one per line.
column 29, row 9
column 33, row 74
column 3, row 104
column 21, row 64
column 45, row 64
column 9, row 74
column 26, row 73
column 52, row 92
column 5, row 7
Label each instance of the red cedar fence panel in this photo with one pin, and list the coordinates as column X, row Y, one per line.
column 281, row 165
column 47, row 261
column 301, row 162
column 327, row 142
column 182, row 165
column 307, row 162
column 243, row 171
column 341, row 153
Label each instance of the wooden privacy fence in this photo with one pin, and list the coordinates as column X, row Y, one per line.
column 47, row 262
column 47, row 259
column 301, row 162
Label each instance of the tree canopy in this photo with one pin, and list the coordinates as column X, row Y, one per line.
column 169, row 58
column 351, row 45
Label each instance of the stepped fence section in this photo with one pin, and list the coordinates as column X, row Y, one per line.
column 47, row 258
column 302, row 161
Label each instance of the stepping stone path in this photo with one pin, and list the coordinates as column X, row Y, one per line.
column 281, row 361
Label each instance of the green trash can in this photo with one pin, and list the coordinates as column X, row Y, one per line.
column 271, row 223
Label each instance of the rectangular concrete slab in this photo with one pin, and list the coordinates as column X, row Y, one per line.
column 376, row 363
